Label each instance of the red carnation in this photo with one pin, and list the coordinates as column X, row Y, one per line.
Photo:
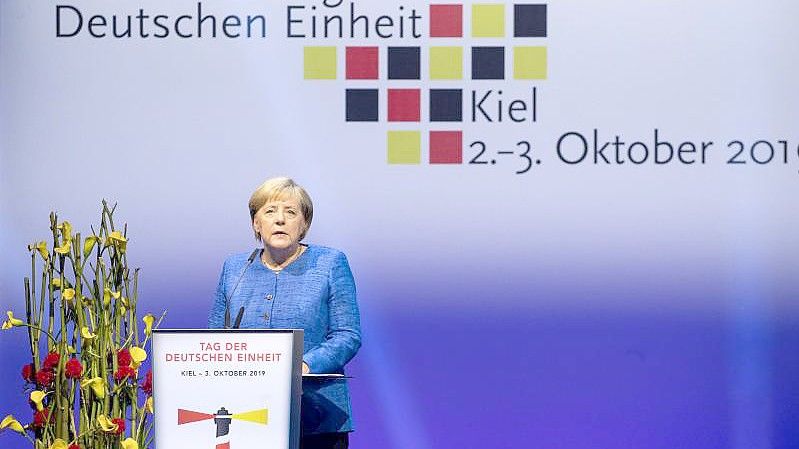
column 147, row 385
column 124, row 372
column 74, row 446
column 28, row 372
column 73, row 369
column 45, row 378
column 40, row 418
column 51, row 361
column 123, row 357
column 120, row 425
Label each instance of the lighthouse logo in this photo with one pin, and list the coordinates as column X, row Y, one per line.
column 223, row 418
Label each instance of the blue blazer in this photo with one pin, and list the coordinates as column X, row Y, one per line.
column 316, row 293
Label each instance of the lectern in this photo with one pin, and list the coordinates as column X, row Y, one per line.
column 227, row 388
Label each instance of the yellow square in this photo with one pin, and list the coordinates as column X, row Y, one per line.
column 488, row 20
column 446, row 63
column 530, row 63
column 404, row 147
column 320, row 63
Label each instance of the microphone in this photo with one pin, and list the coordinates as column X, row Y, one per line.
column 235, row 286
column 238, row 318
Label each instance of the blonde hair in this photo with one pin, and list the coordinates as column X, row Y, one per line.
column 281, row 189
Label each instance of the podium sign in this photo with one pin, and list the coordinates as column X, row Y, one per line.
column 227, row 389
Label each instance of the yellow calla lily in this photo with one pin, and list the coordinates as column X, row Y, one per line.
column 41, row 247
column 148, row 405
column 68, row 294
column 86, row 333
column 9, row 422
column 64, row 248
column 129, row 443
column 97, row 385
column 37, row 397
column 66, row 230
column 108, row 294
column 88, row 244
column 117, row 240
column 148, row 319
column 137, row 355
column 106, row 424
column 58, row 443
column 11, row 321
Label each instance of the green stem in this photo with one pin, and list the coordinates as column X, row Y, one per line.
column 41, row 330
column 30, row 295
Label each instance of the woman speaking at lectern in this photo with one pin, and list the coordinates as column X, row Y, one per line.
column 289, row 284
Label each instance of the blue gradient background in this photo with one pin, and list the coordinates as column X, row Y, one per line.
column 574, row 307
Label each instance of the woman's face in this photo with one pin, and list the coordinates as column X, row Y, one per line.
column 280, row 223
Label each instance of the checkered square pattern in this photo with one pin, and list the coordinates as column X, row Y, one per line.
column 404, row 63
column 446, row 147
column 362, row 105
column 446, row 105
column 530, row 20
column 362, row 63
column 488, row 63
column 446, row 20
column 404, row 105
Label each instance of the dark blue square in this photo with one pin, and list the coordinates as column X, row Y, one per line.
column 530, row 20
column 488, row 63
column 404, row 63
column 446, row 105
column 362, row 105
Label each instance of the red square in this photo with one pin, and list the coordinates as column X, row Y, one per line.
column 446, row 147
column 403, row 105
column 362, row 63
column 446, row 20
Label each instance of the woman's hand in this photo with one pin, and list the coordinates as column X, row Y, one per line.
column 305, row 368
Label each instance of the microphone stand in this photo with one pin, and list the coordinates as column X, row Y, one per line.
column 235, row 286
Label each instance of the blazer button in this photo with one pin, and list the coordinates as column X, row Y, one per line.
column 269, row 297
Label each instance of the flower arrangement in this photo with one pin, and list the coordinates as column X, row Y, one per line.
column 86, row 383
